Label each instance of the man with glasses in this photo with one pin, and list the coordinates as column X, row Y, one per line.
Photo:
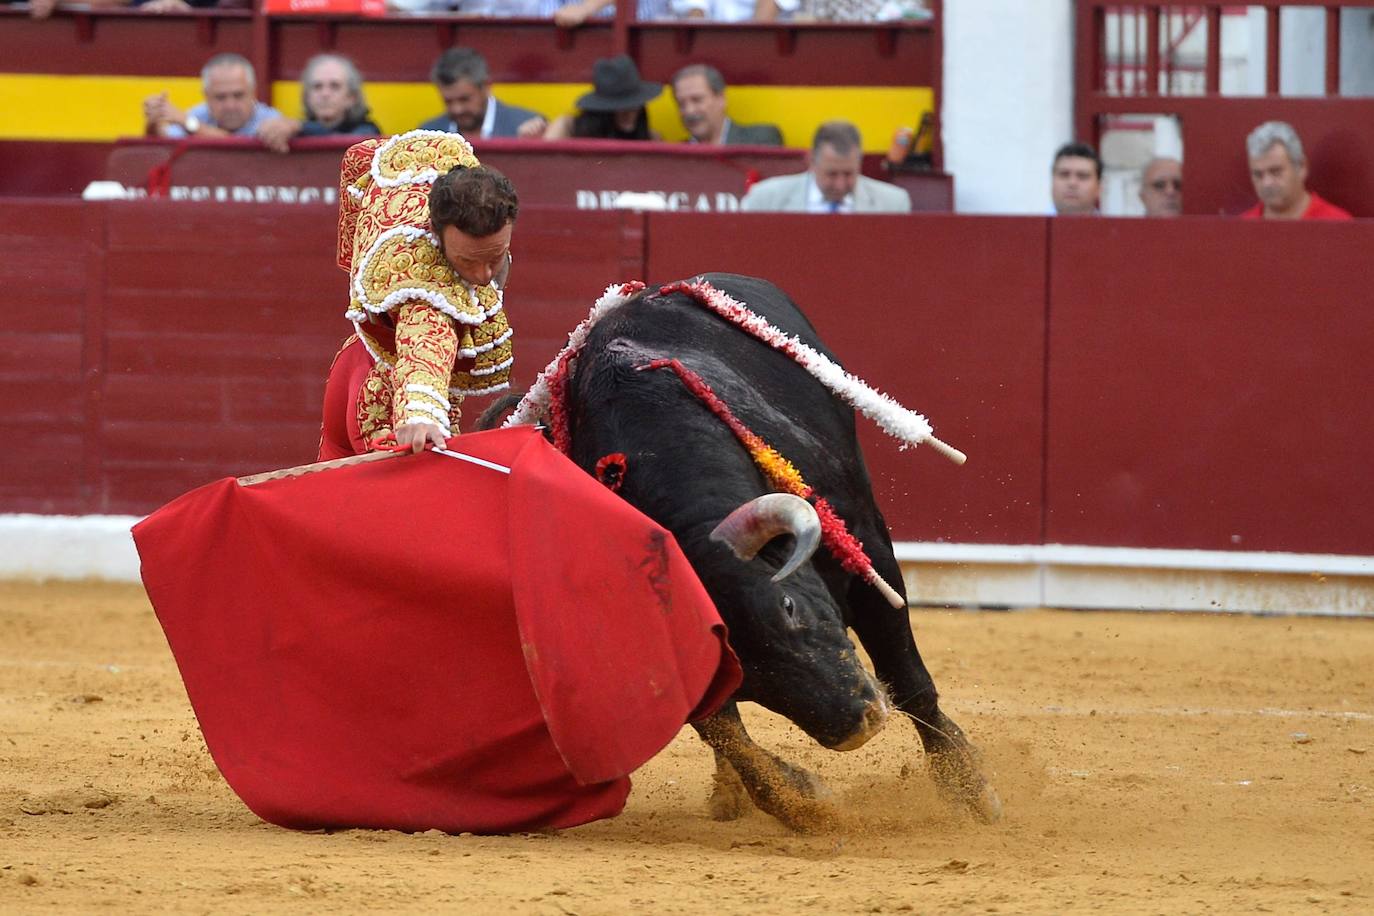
column 1161, row 187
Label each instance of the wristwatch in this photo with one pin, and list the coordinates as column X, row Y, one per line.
column 192, row 124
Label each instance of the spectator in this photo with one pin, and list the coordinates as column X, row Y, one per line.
column 332, row 97
column 464, row 83
column 699, row 90
column 1076, row 180
column 229, row 109
column 42, row 9
column 832, row 184
column 734, row 10
column 868, row 10
column 1278, row 169
column 615, row 109
column 1161, row 187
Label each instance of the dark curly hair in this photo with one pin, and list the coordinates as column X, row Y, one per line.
column 476, row 201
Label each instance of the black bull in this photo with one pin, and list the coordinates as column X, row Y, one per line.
column 686, row 470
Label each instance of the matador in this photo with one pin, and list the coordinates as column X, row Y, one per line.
column 424, row 234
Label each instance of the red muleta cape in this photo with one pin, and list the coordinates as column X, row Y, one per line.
column 423, row 642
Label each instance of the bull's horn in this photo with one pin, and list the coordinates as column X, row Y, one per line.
column 760, row 520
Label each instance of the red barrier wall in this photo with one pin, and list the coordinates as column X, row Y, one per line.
column 1209, row 385
column 1194, row 383
column 146, row 355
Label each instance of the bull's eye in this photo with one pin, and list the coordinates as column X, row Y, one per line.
column 788, row 606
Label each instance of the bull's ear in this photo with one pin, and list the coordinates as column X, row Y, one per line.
column 763, row 518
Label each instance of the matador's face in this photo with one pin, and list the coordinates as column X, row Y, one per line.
column 477, row 259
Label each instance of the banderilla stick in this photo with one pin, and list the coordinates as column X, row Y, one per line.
column 949, row 451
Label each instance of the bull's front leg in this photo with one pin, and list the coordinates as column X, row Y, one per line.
column 955, row 764
column 777, row 788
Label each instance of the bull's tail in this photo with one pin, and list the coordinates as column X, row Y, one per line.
column 497, row 412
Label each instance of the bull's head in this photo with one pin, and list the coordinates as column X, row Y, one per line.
column 787, row 628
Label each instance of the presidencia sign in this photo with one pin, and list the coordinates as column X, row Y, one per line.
column 585, row 175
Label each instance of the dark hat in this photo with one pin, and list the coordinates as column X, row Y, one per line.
column 617, row 86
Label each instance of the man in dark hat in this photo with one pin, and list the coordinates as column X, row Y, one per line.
column 614, row 109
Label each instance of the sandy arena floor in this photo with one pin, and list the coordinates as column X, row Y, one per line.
column 1149, row 764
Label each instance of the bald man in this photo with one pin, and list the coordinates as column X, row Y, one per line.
column 1161, row 187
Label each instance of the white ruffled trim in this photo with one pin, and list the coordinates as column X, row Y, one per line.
column 897, row 421
column 470, row 352
column 490, row 389
column 535, row 403
column 423, row 407
column 408, row 177
column 504, row 364
column 355, row 193
column 428, row 392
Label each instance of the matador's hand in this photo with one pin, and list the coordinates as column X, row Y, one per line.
column 417, row 435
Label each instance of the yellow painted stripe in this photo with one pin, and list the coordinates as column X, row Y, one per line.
column 102, row 108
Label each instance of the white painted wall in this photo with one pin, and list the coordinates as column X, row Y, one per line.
column 1008, row 101
column 1008, row 92
column 1357, row 52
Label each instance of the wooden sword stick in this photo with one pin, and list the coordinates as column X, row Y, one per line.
column 303, row 469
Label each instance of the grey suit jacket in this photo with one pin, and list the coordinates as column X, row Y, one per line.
column 508, row 119
column 753, row 135
column 787, row 194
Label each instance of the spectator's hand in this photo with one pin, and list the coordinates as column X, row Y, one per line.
column 276, row 133
column 41, row 9
column 532, row 129
column 159, row 111
column 154, row 109
column 417, row 435
column 574, row 14
column 165, row 6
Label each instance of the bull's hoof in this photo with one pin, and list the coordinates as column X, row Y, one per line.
column 805, row 815
column 803, row 780
column 729, row 799
column 962, row 785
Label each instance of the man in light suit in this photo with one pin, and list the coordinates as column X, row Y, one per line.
column 699, row 90
column 464, row 83
column 832, row 184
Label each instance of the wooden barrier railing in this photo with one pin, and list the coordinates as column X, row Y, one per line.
column 1138, row 383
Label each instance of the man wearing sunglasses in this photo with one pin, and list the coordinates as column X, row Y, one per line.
column 1161, row 187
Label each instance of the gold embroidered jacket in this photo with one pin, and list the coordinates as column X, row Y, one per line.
column 434, row 337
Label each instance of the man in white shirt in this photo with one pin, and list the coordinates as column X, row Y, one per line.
column 832, row 184
column 464, row 84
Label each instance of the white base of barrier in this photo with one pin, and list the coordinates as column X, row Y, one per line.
column 68, row 547
column 964, row 575
column 1066, row 576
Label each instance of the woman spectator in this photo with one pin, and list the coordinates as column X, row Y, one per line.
column 333, row 101
column 614, row 110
